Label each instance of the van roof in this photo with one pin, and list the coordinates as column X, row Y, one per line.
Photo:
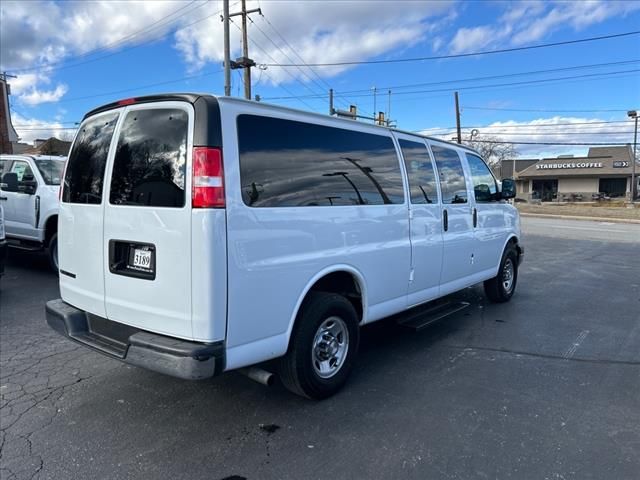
column 192, row 97
column 17, row 156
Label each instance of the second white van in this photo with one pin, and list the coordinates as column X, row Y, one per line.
column 199, row 235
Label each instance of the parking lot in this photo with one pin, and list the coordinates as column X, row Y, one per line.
column 545, row 387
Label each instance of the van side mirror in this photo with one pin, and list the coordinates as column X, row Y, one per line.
column 28, row 186
column 508, row 189
column 9, row 182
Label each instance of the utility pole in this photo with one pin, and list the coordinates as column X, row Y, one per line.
column 331, row 110
column 634, row 114
column 245, row 62
column 227, row 50
column 458, row 118
column 375, row 90
column 389, row 110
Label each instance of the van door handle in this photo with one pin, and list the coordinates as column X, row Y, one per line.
column 445, row 219
column 3, row 198
column 475, row 217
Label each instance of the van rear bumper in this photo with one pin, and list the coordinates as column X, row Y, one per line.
column 168, row 355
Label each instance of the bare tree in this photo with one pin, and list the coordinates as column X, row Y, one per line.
column 493, row 150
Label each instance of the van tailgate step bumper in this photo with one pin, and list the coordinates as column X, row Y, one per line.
column 168, row 355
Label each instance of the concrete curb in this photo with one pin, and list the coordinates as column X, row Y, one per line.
column 577, row 217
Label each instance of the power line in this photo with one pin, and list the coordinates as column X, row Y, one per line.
column 459, row 55
column 597, row 110
column 126, row 49
column 288, row 73
column 543, row 133
column 589, row 144
column 288, row 57
column 475, row 87
column 491, row 77
column 141, row 87
column 346, row 103
column 163, row 21
column 29, row 125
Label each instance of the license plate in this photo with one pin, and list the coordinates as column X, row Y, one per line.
column 142, row 258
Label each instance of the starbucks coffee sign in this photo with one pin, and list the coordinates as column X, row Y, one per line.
column 555, row 166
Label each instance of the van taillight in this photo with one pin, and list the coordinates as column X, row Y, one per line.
column 208, row 178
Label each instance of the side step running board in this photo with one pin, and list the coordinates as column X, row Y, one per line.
column 24, row 245
column 422, row 317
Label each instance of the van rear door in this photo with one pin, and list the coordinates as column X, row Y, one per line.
column 147, row 220
column 80, row 227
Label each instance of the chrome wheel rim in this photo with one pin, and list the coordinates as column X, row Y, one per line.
column 330, row 347
column 508, row 274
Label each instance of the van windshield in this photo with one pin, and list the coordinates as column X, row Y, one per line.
column 51, row 171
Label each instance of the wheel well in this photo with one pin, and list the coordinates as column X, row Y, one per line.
column 50, row 228
column 513, row 242
column 342, row 283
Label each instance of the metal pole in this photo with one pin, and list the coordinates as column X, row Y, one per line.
column 633, row 163
column 374, row 104
column 227, row 51
column 389, row 110
column 458, row 118
column 245, row 53
column 331, row 101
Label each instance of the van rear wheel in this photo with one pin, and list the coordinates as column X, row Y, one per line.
column 500, row 288
column 323, row 346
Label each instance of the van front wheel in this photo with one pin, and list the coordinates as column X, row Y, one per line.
column 53, row 252
column 323, row 346
column 500, row 288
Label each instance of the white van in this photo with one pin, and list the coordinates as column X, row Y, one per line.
column 199, row 235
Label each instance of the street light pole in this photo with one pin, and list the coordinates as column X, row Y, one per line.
column 634, row 114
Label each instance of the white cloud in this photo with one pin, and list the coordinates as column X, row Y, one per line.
column 35, row 96
column 543, row 130
column 319, row 32
column 44, row 33
column 41, row 32
column 529, row 21
column 29, row 129
column 27, row 89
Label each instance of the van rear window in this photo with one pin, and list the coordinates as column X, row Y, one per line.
column 284, row 163
column 85, row 169
column 150, row 162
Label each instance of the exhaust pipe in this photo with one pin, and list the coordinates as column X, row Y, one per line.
column 258, row 375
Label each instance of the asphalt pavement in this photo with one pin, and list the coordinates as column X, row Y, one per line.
column 544, row 387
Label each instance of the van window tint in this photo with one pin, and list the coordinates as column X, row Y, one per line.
column 85, row 168
column 484, row 183
column 452, row 183
column 422, row 179
column 285, row 163
column 150, row 161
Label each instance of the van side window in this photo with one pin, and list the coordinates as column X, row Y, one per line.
column 85, row 168
column 23, row 170
column 285, row 163
column 150, row 161
column 422, row 179
column 484, row 183
column 4, row 167
column 452, row 182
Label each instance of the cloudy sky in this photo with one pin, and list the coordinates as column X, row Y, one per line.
column 70, row 57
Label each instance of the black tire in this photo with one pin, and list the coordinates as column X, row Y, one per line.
column 500, row 288
column 299, row 368
column 52, row 250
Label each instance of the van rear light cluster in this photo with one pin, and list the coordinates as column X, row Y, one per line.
column 208, row 178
